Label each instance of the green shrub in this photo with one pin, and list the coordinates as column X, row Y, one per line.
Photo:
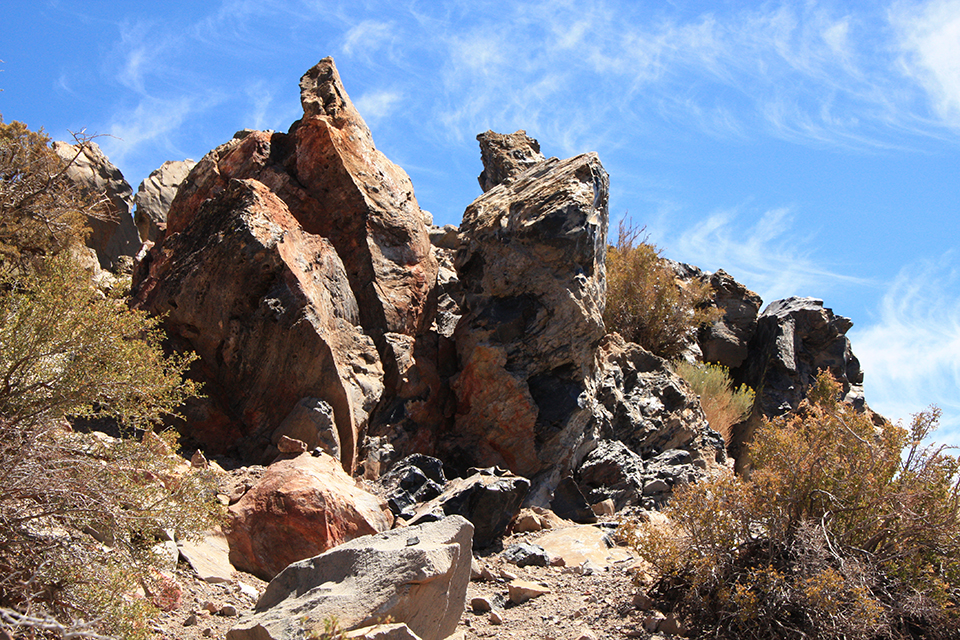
column 723, row 405
column 843, row 530
column 41, row 212
column 80, row 513
column 646, row 303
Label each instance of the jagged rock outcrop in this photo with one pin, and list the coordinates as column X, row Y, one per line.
column 300, row 508
column 155, row 196
column 506, row 155
column 795, row 339
column 727, row 341
column 268, row 309
column 113, row 233
column 532, row 266
column 415, row 575
column 357, row 213
column 339, row 186
column 645, row 405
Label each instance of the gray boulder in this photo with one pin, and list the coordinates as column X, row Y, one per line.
column 795, row 339
column 489, row 498
column 415, row 575
column 155, row 195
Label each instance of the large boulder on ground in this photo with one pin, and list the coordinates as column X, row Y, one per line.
column 155, row 196
column 795, row 339
column 113, row 233
column 300, row 508
column 488, row 498
column 506, row 155
column 532, row 266
column 414, row 575
column 268, row 309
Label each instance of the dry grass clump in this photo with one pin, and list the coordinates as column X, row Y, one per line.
column 646, row 303
column 841, row 531
column 723, row 405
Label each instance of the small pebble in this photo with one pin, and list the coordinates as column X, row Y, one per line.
column 228, row 610
column 481, row 605
column 496, row 617
column 191, row 620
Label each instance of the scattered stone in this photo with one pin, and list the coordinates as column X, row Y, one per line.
column 287, row 444
column 496, row 617
column 652, row 621
column 486, row 575
column 228, row 611
column 524, row 554
column 522, row 590
column 507, row 575
column 198, row 460
column 671, row 626
column 191, row 620
column 604, row 507
column 481, row 605
column 642, row 601
column 248, row 591
column 476, row 571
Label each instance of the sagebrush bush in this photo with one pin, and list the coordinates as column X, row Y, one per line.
column 843, row 530
column 646, row 303
column 723, row 405
column 80, row 514
column 41, row 212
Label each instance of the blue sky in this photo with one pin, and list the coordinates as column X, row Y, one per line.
column 808, row 148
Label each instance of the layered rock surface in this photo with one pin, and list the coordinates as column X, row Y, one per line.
column 268, row 309
column 531, row 264
column 340, row 272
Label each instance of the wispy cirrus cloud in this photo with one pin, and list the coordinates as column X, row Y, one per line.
column 769, row 256
column 911, row 352
column 929, row 38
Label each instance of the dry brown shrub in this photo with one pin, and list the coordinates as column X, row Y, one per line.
column 841, row 531
column 646, row 303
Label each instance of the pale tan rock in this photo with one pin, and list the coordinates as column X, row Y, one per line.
column 519, row 591
column 604, row 507
column 209, row 558
column 481, row 604
column 397, row 631
column 496, row 617
column 287, row 444
column 583, row 543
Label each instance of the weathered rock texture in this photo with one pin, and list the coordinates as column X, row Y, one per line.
column 414, row 575
column 155, row 196
column 340, row 255
column 113, row 234
column 506, row 155
column 795, row 339
column 645, row 405
column 337, row 185
column 300, row 508
column 268, row 309
column 727, row 340
column 532, row 266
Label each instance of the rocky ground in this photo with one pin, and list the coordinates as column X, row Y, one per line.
column 592, row 599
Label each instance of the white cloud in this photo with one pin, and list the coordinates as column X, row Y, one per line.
column 911, row 354
column 929, row 36
column 768, row 257
column 367, row 36
column 151, row 121
column 377, row 105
